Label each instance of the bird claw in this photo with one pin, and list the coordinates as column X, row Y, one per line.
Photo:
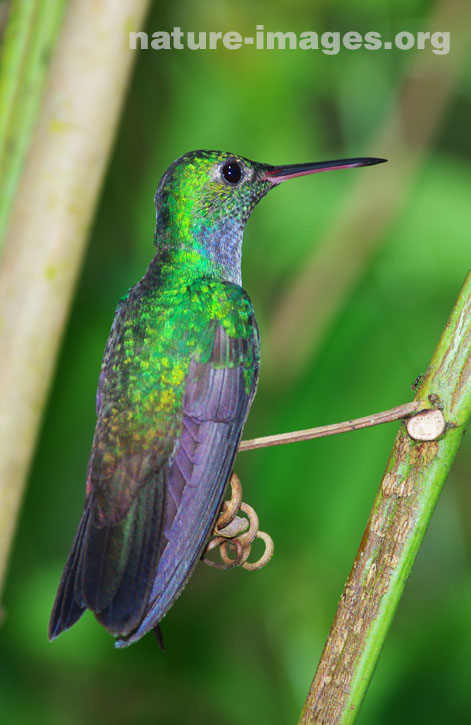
column 232, row 533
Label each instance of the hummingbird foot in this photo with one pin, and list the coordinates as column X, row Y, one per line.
column 236, row 534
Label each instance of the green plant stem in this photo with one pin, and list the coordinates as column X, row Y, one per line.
column 49, row 220
column 400, row 515
column 29, row 39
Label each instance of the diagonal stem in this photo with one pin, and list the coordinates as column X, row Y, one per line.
column 407, row 496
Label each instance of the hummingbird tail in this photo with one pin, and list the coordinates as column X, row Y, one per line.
column 111, row 567
column 129, row 553
column 67, row 610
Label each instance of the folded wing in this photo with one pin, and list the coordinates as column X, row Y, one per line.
column 217, row 399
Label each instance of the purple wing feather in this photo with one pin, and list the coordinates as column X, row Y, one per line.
column 215, row 408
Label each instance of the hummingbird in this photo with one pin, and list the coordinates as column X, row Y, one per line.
column 178, row 377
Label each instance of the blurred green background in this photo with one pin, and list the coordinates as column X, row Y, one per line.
column 242, row 647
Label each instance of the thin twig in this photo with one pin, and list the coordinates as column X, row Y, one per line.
column 400, row 412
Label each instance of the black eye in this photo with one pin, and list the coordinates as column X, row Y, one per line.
column 232, row 172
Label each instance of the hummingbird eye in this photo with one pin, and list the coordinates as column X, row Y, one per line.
column 232, row 172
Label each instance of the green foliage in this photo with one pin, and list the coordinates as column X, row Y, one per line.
column 242, row 647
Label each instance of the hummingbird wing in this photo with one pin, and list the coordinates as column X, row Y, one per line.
column 149, row 510
column 217, row 399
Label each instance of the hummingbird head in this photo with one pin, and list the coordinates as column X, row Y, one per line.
column 204, row 199
column 202, row 188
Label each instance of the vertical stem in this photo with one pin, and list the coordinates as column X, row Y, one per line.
column 407, row 496
column 49, row 221
column 29, row 39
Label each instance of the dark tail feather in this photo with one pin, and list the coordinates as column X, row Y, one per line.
column 120, row 561
column 111, row 568
column 67, row 609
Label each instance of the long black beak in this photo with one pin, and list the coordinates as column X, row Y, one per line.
column 277, row 174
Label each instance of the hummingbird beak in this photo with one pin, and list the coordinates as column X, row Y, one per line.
column 277, row 174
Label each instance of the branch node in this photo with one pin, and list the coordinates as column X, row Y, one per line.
column 428, row 425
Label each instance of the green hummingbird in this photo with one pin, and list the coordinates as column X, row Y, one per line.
column 178, row 376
